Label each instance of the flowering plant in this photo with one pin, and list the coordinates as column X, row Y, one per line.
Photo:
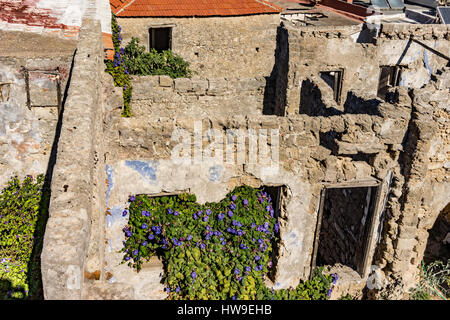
column 20, row 232
column 118, row 70
column 211, row 251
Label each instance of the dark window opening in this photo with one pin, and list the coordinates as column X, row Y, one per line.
column 343, row 227
column 160, row 39
column 389, row 77
column 438, row 243
column 278, row 196
column 334, row 80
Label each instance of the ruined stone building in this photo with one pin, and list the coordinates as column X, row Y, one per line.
column 351, row 102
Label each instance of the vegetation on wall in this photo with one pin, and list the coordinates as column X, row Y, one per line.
column 118, row 70
column 21, row 235
column 215, row 250
column 140, row 62
column 134, row 60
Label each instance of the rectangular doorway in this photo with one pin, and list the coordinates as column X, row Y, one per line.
column 345, row 225
column 389, row 77
column 334, row 80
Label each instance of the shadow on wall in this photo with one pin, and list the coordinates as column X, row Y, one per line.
column 34, row 276
column 312, row 103
column 438, row 244
column 276, row 84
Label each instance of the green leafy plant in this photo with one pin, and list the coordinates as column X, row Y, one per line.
column 434, row 280
column 135, row 60
column 140, row 62
column 215, row 250
column 20, row 233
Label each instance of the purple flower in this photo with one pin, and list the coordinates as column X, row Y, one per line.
column 128, row 233
column 127, row 258
column 220, row 216
column 145, row 243
column 124, row 213
column 151, row 237
column 232, row 206
column 234, row 197
column 193, row 275
column 205, row 219
column 176, row 213
column 132, row 198
column 177, row 289
column 170, row 211
column 236, row 271
column 329, row 293
column 144, row 226
column 208, row 212
column 335, row 278
column 202, row 245
column 135, row 252
column 257, row 258
column 248, row 269
column 277, row 227
column 189, row 237
column 230, row 213
column 245, row 202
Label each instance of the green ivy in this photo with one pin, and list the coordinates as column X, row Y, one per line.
column 215, row 250
column 20, row 233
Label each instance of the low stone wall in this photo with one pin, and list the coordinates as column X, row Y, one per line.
column 73, row 187
column 163, row 96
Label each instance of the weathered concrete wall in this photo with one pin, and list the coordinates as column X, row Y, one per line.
column 162, row 96
column 241, row 47
column 26, row 136
column 76, row 188
column 60, row 18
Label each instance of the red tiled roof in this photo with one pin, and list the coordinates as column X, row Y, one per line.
column 190, row 8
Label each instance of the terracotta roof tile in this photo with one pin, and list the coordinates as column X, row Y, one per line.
column 190, row 8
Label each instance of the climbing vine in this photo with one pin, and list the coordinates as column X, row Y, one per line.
column 215, row 250
column 118, row 69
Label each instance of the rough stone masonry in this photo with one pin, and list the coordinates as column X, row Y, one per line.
column 398, row 145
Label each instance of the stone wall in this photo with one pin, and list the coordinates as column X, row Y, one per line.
column 77, row 185
column 375, row 145
column 399, row 145
column 328, row 48
column 27, row 135
column 163, row 96
column 241, row 46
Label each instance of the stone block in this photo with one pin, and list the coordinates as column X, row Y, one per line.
column 165, row 81
column 183, row 84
